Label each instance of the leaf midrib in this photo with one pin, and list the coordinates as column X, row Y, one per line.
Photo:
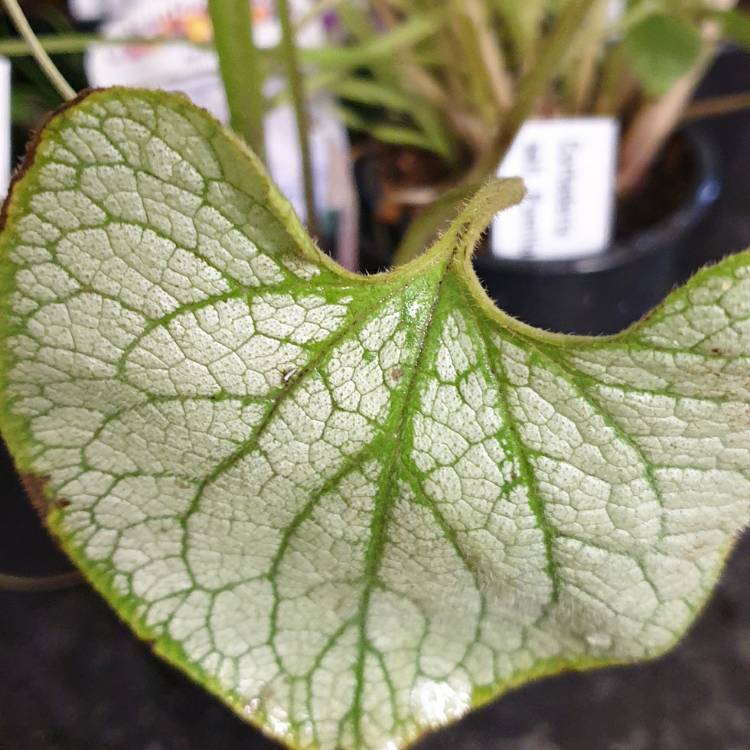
column 383, row 504
column 290, row 387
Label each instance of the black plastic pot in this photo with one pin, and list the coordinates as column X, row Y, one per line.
column 605, row 293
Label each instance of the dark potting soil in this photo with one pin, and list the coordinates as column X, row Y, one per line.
column 666, row 188
column 72, row 677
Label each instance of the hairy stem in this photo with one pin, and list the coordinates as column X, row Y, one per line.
column 423, row 231
column 289, row 52
column 241, row 69
column 72, row 44
column 49, row 68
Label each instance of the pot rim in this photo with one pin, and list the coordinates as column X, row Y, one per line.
column 703, row 195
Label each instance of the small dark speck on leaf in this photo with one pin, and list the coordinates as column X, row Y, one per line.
column 716, row 350
column 396, row 374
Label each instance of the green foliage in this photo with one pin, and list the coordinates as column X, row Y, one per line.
column 662, row 49
column 241, row 71
column 736, row 26
column 487, row 66
column 352, row 508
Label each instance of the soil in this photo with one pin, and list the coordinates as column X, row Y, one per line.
column 668, row 185
column 381, row 170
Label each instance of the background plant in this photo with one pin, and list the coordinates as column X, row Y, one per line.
column 458, row 79
column 464, row 89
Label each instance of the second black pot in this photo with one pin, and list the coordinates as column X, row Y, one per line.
column 605, row 293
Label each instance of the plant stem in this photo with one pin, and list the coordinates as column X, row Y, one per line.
column 652, row 125
column 534, row 84
column 617, row 83
column 34, row 584
column 56, row 44
column 241, row 69
column 424, row 229
column 584, row 62
column 48, row 67
column 523, row 21
column 66, row 44
column 491, row 54
column 289, row 52
column 717, row 105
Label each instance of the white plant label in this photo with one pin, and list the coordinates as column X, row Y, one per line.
column 193, row 71
column 568, row 166
column 4, row 125
column 93, row 10
column 615, row 11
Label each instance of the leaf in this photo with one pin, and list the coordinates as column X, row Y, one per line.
column 399, row 135
column 662, row 48
column 379, row 47
column 352, row 508
column 735, row 26
column 373, row 93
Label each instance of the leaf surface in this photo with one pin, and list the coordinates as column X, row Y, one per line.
column 352, row 508
column 662, row 48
